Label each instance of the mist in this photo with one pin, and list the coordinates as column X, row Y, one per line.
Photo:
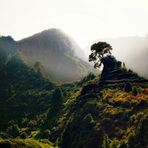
column 133, row 51
column 58, row 55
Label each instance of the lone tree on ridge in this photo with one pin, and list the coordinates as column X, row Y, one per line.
column 99, row 51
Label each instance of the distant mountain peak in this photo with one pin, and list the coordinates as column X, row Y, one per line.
column 58, row 54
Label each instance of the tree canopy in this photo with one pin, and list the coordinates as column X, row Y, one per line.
column 98, row 52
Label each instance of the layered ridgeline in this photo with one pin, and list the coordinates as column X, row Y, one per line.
column 55, row 55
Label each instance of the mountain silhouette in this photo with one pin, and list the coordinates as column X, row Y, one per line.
column 133, row 50
column 56, row 54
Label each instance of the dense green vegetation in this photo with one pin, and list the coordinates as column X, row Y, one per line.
column 27, row 143
column 95, row 112
column 23, row 92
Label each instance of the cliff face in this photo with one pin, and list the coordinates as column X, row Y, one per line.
column 56, row 53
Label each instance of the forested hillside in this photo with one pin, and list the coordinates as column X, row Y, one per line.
column 104, row 111
column 23, row 92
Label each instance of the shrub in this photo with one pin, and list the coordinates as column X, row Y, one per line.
column 56, row 102
column 32, row 124
column 88, row 118
column 4, row 135
column 135, row 91
column 13, row 130
column 46, row 134
column 87, row 78
column 139, row 139
column 106, row 142
column 43, row 134
column 128, row 87
column 23, row 135
column 114, row 144
column 123, row 145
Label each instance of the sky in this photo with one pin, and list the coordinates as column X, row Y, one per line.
column 83, row 20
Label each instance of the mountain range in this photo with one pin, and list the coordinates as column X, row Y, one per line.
column 108, row 110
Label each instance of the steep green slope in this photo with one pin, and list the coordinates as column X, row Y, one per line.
column 23, row 92
column 28, row 102
column 106, row 114
column 27, row 143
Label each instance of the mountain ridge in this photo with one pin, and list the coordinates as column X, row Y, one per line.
column 109, row 110
column 133, row 50
column 57, row 54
